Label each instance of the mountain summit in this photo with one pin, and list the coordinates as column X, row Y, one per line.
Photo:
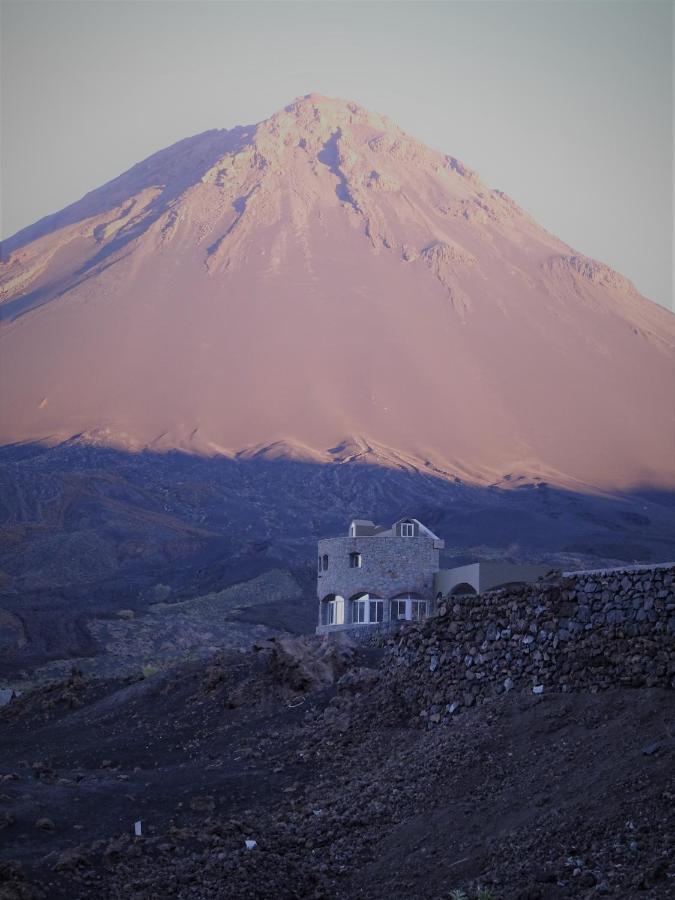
column 322, row 285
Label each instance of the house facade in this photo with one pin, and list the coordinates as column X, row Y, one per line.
column 377, row 576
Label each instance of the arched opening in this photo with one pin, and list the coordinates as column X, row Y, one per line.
column 333, row 610
column 464, row 589
column 366, row 608
column 408, row 607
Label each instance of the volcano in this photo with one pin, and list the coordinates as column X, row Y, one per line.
column 322, row 286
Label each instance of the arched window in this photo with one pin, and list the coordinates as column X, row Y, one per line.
column 376, row 609
column 398, row 610
column 408, row 608
column 325, row 561
column 418, row 610
column 366, row 609
column 333, row 610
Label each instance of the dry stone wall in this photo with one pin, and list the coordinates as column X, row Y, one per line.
column 585, row 631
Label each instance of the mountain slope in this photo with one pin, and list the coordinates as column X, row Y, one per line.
column 322, row 286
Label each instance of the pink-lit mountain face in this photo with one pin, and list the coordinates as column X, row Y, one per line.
column 321, row 285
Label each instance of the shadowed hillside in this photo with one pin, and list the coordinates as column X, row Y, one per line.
column 89, row 532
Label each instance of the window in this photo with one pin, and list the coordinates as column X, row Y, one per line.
column 320, row 564
column 408, row 609
column 335, row 611
column 407, row 529
column 325, row 561
column 359, row 612
column 367, row 609
column 352, row 530
column 376, row 611
column 355, row 560
column 419, row 610
column 398, row 609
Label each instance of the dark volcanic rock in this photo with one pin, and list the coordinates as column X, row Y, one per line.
column 545, row 796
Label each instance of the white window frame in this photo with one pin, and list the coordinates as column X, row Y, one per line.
column 364, row 603
column 359, row 605
column 335, row 611
column 397, row 617
column 415, row 609
column 355, row 560
column 407, row 529
column 418, row 609
column 378, row 603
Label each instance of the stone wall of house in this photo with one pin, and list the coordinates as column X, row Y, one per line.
column 389, row 566
column 369, row 635
column 586, row 631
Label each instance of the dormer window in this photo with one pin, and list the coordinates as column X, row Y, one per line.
column 407, row 529
column 354, row 560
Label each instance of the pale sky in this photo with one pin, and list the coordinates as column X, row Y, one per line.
column 567, row 106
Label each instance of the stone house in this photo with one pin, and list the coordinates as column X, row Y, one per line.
column 377, row 577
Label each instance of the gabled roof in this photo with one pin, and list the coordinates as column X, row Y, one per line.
column 423, row 528
column 383, row 531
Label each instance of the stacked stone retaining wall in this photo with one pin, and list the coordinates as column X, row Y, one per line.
column 585, row 631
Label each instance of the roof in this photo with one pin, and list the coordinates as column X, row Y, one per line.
column 383, row 531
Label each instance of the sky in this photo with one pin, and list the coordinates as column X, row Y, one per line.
column 566, row 106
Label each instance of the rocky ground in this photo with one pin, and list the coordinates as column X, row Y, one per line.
column 304, row 749
column 166, row 633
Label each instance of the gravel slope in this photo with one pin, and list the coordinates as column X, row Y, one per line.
column 531, row 797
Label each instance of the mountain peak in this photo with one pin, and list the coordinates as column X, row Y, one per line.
column 322, row 103
column 317, row 116
column 316, row 99
column 323, row 274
